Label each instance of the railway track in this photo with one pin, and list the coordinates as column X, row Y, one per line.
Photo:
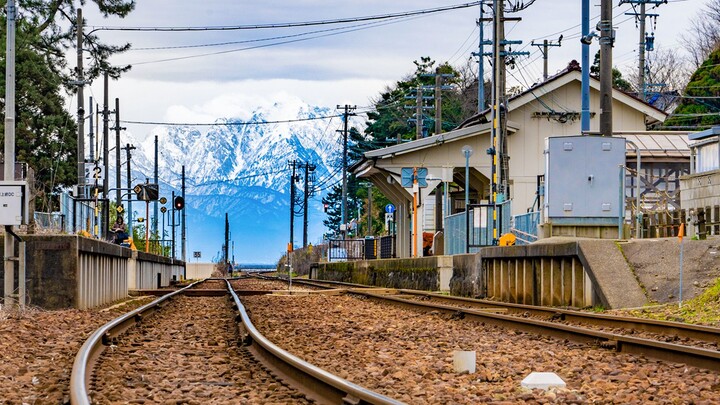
column 694, row 345
column 406, row 351
column 186, row 346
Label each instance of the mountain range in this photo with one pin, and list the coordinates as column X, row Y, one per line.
column 240, row 166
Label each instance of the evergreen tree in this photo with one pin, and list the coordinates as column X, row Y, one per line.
column 618, row 81
column 701, row 102
column 45, row 132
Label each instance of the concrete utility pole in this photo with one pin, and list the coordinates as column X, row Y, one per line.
column 309, row 168
column 293, row 179
column 544, row 49
column 640, row 17
column 9, row 152
column 183, row 228
column 155, row 178
column 81, row 106
column 173, row 225
column 419, row 112
column 118, row 186
column 106, row 155
column 92, row 133
column 606, row 45
column 500, row 168
column 226, row 256
column 348, row 111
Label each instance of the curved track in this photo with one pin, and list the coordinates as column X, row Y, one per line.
column 194, row 348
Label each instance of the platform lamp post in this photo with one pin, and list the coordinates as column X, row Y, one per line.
column 467, row 152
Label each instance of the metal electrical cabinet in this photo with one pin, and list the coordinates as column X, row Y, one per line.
column 582, row 179
column 13, row 203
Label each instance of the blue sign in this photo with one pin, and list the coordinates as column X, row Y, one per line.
column 406, row 177
column 389, row 208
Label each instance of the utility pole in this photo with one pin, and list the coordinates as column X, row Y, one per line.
column 293, row 179
column 183, row 228
column 173, row 225
column 92, row 133
column 343, row 209
column 606, row 45
column 155, row 204
column 370, row 200
column 9, row 154
column 127, row 149
column 585, row 70
column 419, row 117
column 544, row 49
column 118, row 192
column 645, row 40
column 227, row 240
column 309, row 168
column 481, row 62
column 81, row 106
column 500, row 167
column 106, row 154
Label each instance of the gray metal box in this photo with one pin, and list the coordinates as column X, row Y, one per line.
column 582, row 177
column 13, row 203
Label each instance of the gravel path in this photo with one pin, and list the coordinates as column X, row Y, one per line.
column 408, row 355
column 187, row 353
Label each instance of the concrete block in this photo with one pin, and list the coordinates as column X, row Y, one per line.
column 464, row 361
column 542, row 380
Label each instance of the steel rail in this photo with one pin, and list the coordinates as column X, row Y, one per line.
column 703, row 358
column 323, row 386
column 699, row 332
column 103, row 337
column 667, row 328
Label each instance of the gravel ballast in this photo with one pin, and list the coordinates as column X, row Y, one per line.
column 408, row 355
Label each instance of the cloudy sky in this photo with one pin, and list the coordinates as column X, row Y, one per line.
column 191, row 77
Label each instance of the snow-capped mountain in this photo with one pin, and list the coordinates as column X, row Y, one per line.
column 242, row 169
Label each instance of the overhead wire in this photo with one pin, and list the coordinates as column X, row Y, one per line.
column 287, row 24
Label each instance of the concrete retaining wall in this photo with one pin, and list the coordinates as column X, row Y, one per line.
column 575, row 274
column 68, row 271
column 700, row 190
column 425, row 273
column 197, row 271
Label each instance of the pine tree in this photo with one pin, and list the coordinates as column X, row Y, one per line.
column 701, row 102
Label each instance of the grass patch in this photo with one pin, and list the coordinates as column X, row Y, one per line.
column 702, row 310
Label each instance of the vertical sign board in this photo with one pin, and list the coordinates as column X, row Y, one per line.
column 13, row 203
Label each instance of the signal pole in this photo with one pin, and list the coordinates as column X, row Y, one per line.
column 117, row 128
column 309, row 168
column 343, row 209
column 127, row 149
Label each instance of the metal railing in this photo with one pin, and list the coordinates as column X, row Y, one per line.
column 340, row 250
column 50, row 222
column 468, row 234
column 525, row 227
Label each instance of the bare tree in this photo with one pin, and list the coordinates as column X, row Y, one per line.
column 703, row 36
column 664, row 66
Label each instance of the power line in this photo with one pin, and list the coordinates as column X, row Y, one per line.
column 232, row 123
column 288, row 24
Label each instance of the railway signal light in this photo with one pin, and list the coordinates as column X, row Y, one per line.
column 179, row 203
column 325, row 207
